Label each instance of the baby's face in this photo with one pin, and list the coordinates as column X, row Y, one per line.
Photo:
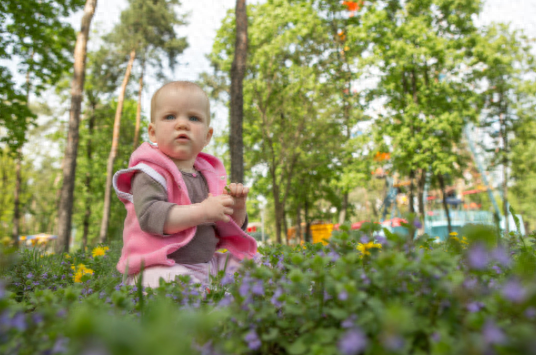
column 181, row 123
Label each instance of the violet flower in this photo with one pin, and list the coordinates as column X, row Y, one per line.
column 474, row 307
column 478, row 257
column 514, row 291
column 493, row 334
column 343, row 295
column 349, row 322
column 500, row 255
column 352, row 342
column 253, row 340
column 258, row 288
column 416, row 223
column 227, row 279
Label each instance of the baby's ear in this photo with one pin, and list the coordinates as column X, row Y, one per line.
column 151, row 132
column 209, row 135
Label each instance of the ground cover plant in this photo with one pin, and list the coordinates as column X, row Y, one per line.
column 363, row 293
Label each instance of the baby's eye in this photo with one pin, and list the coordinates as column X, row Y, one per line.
column 169, row 117
column 194, row 118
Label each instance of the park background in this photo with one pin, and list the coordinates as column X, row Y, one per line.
column 345, row 191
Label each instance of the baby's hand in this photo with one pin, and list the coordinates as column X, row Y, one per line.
column 218, row 208
column 239, row 193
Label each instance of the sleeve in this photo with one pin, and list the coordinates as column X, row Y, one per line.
column 150, row 203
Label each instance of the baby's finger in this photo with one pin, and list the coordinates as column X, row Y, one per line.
column 226, row 218
column 228, row 211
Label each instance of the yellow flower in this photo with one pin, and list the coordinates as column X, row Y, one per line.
column 67, row 256
column 6, row 241
column 106, row 248
column 98, row 251
column 346, row 48
column 222, row 250
column 456, row 239
column 453, row 234
column 364, row 248
column 82, row 270
column 22, row 238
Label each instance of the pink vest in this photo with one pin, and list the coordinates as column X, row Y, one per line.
column 154, row 249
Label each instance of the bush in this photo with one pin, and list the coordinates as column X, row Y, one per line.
column 362, row 293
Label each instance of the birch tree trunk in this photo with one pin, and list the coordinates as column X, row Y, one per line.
column 89, row 152
column 71, row 150
column 445, row 205
column 138, row 110
column 113, row 151
column 238, row 71
column 344, row 208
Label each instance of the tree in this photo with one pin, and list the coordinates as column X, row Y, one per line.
column 147, row 29
column 71, row 149
column 42, row 41
column 238, row 70
column 283, row 93
column 507, row 94
column 423, row 51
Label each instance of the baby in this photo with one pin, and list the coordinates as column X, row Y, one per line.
column 179, row 209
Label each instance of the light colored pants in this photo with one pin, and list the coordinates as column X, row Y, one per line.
column 199, row 273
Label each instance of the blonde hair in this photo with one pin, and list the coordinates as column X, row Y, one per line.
column 180, row 84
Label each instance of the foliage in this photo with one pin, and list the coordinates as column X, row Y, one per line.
column 43, row 41
column 396, row 295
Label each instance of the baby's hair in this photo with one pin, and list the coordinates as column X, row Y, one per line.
column 180, row 84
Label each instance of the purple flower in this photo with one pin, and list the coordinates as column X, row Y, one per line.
column 364, row 239
column 497, row 269
column 343, row 295
column 393, row 342
column 365, row 279
column 474, row 307
column 436, row 337
column 381, row 239
column 333, row 256
column 37, row 318
column 352, row 342
column 35, row 283
column 478, row 257
column 327, row 297
column 500, row 255
column 258, row 288
column 44, row 276
column 60, row 346
column 19, row 322
column 61, row 313
column 30, row 275
column 417, row 223
column 514, row 291
column 253, row 340
column 243, row 289
column 275, row 298
column 530, row 313
column 470, row 283
column 226, row 300
column 227, row 279
column 493, row 334
column 349, row 322
column 102, row 294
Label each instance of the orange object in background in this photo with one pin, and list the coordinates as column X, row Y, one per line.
column 353, row 6
column 382, row 156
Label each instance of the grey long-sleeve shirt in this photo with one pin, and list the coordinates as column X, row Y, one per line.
column 152, row 208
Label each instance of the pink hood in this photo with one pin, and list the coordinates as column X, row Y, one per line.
column 152, row 249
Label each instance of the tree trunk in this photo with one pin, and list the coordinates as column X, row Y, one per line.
column 503, row 136
column 113, row 151
column 138, row 110
column 238, row 71
column 411, row 191
column 308, row 238
column 89, row 152
column 71, row 150
column 344, row 208
column 420, row 193
column 298, row 224
column 16, row 198
column 445, row 205
column 285, row 226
